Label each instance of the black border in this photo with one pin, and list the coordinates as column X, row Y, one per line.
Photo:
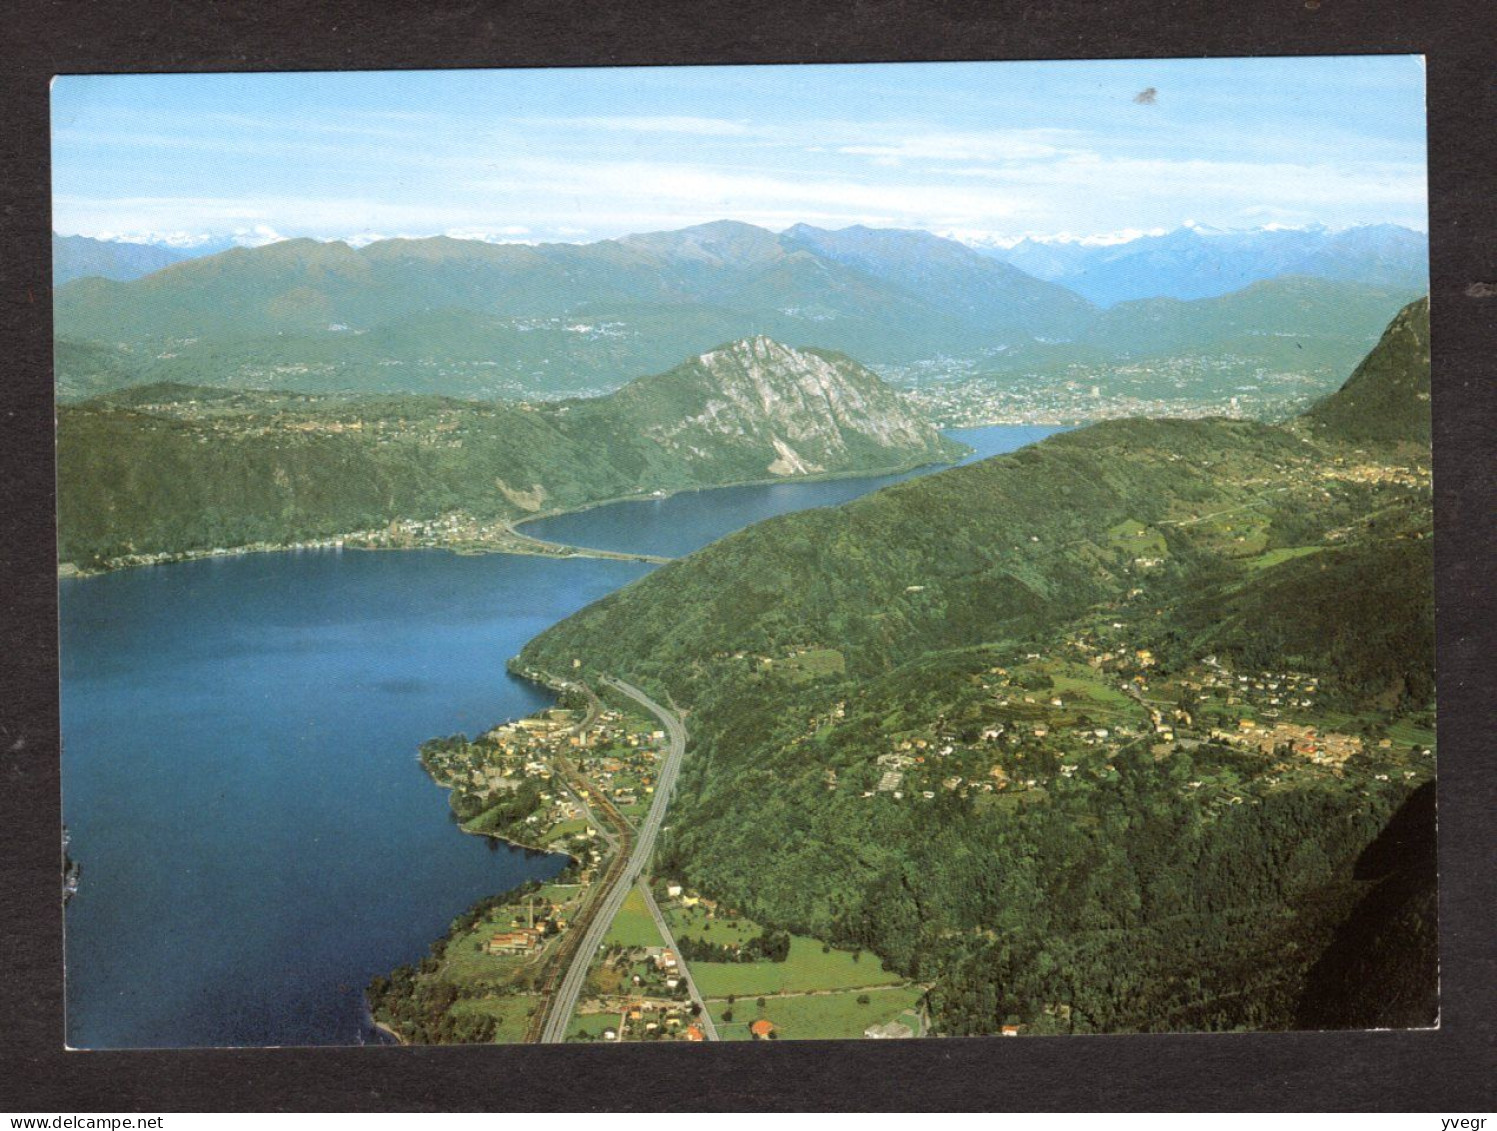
column 1451, row 1069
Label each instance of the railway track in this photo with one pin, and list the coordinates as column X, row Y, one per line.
column 562, row 959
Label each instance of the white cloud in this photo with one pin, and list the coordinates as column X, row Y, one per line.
column 182, row 240
column 1001, row 145
column 257, row 236
column 649, row 124
column 508, row 233
column 649, row 187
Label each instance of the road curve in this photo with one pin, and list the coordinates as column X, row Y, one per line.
column 564, row 1001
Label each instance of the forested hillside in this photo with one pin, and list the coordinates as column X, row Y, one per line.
column 1091, row 737
column 170, row 469
column 1386, row 400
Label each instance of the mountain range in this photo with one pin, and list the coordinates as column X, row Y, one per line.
column 80, row 257
column 1196, row 262
column 169, row 469
column 466, row 318
column 564, row 315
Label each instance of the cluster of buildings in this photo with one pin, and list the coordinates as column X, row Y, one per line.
column 956, row 393
column 456, row 528
column 1043, row 736
column 654, row 1006
column 1304, row 741
column 645, row 1019
column 1376, row 474
column 528, row 937
column 618, row 756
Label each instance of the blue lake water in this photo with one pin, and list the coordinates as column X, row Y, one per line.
column 240, row 779
column 688, row 521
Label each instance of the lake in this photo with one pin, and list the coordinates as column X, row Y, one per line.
column 240, row 780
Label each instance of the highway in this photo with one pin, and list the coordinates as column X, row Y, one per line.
column 564, row 1000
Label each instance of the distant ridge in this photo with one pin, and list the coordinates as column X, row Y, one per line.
column 78, row 257
column 1192, row 262
column 515, row 321
column 567, row 313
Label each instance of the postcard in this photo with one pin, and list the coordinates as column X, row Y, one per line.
column 691, row 554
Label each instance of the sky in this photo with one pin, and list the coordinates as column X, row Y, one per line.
column 983, row 152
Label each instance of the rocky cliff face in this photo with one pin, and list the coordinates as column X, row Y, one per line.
column 771, row 410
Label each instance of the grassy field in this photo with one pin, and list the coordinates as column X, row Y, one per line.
column 813, row 664
column 1013, row 799
column 632, row 926
column 466, row 962
column 699, row 924
column 1403, row 732
column 1069, row 686
column 593, row 1024
column 807, row 968
column 1135, row 539
column 563, row 829
column 813, row 1017
column 512, row 1012
column 1284, row 554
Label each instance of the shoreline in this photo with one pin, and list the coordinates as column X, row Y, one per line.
column 389, row 1030
column 662, row 494
column 538, row 548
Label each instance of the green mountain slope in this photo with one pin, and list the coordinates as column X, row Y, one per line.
column 1386, row 400
column 1304, row 312
column 975, row 553
column 171, row 468
column 1109, row 730
column 555, row 318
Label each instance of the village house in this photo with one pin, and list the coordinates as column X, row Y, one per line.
column 518, row 941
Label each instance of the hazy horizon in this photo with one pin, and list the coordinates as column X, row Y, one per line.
column 986, row 153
